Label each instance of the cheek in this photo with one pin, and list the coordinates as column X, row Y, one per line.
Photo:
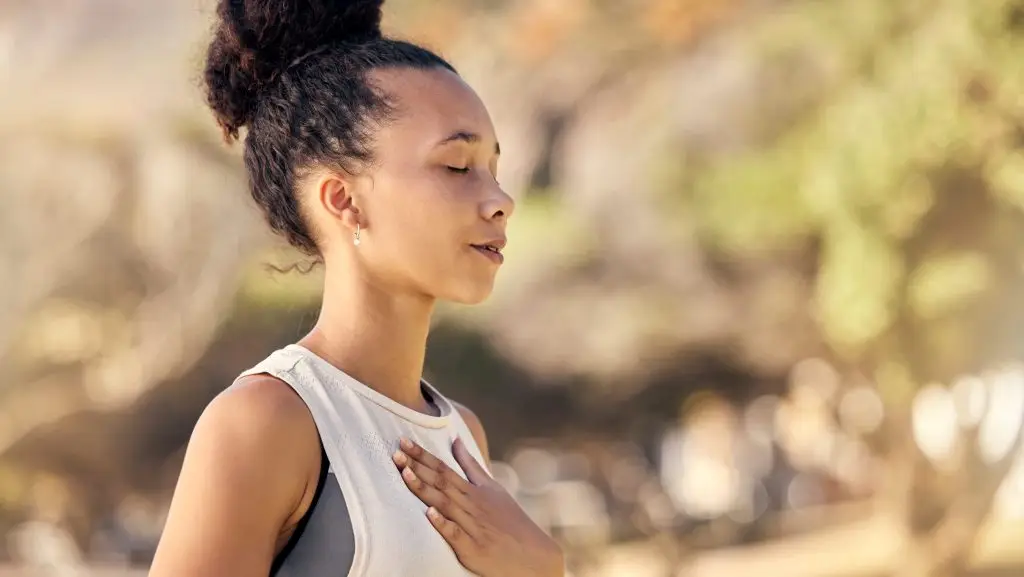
column 418, row 218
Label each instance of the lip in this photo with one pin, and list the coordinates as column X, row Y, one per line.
column 491, row 249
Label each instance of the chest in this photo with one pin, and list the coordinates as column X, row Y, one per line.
column 392, row 535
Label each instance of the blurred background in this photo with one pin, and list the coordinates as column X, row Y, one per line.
column 762, row 313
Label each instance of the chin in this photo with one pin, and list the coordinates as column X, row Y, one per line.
column 470, row 295
column 473, row 299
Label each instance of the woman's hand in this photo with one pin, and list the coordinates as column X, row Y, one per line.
column 489, row 533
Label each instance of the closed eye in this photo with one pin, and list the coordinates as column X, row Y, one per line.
column 458, row 170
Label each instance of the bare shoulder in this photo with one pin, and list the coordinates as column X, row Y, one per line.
column 475, row 427
column 261, row 416
column 264, row 423
column 256, row 402
column 246, row 476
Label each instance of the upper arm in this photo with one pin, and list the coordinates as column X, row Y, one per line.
column 477, row 429
column 244, row 476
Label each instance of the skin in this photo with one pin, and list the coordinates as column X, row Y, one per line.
column 430, row 195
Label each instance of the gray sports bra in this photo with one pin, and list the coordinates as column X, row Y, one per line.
column 323, row 544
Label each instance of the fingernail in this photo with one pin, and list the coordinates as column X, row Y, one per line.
column 400, row 458
column 406, row 444
column 408, row 474
column 433, row 514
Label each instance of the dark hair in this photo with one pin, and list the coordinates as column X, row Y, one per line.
column 295, row 74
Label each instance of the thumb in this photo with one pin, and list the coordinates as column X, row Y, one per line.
column 475, row 472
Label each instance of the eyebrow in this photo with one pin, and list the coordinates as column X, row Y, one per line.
column 468, row 137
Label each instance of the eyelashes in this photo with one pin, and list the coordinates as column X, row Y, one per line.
column 464, row 171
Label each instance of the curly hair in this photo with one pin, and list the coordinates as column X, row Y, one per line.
column 294, row 74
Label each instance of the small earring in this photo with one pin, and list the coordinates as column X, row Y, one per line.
column 357, row 241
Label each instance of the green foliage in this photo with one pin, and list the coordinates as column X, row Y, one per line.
column 859, row 275
column 912, row 88
column 945, row 282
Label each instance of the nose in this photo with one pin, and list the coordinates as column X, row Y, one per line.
column 498, row 205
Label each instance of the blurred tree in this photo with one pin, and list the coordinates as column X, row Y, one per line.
column 124, row 227
column 908, row 170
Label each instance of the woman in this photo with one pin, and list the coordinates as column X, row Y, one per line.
column 332, row 456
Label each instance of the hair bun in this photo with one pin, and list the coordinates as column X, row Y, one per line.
column 256, row 39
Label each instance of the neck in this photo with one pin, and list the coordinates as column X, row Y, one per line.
column 377, row 337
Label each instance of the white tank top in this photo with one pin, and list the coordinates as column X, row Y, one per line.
column 360, row 429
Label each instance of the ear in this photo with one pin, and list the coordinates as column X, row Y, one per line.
column 334, row 194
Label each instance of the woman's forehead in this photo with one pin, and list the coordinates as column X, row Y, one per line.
column 434, row 102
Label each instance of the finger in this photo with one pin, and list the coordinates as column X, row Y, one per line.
column 474, row 470
column 460, row 541
column 440, row 480
column 418, row 453
column 440, row 501
column 444, row 480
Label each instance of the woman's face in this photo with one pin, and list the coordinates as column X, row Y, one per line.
column 432, row 215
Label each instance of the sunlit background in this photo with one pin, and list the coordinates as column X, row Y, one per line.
column 762, row 312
